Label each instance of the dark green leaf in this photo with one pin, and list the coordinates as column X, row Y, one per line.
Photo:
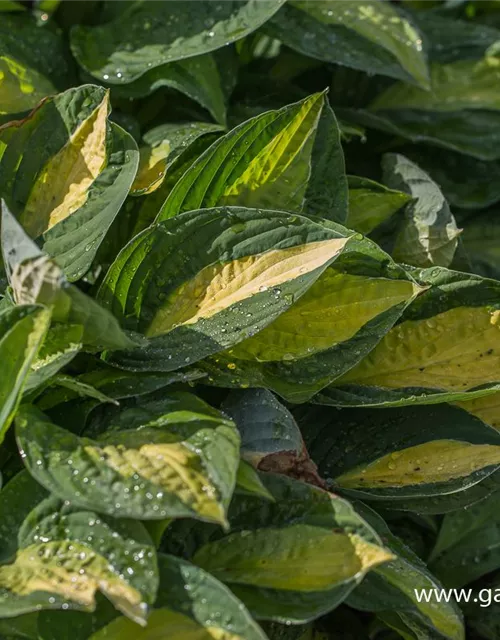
column 144, row 36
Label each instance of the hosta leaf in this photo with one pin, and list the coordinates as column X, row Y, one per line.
column 338, row 321
column 266, row 426
column 61, row 344
column 249, row 482
column 449, row 39
column 22, row 330
column 179, row 135
column 197, row 283
column 33, row 65
column 371, row 36
column 445, row 348
column 371, row 204
column 482, row 614
column 147, row 36
column 65, row 173
column 467, row 547
column 191, row 604
column 466, row 84
column 17, row 499
column 115, row 384
column 486, row 408
column 75, row 625
column 304, row 526
column 270, row 437
column 462, row 95
column 480, row 237
column 80, row 389
column 187, row 142
column 392, row 587
column 25, row 627
column 151, row 171
column 198, row 78
column 466, row 182
column 327, row 191
column 36, row 279
column 464, row 523
column 181, row 460
column 66, row 555
column 265, row 558
column 163, row 145
column 473, row 132
column 470, row 131
column 264, row 162
column 429, row 233
column 400, row 453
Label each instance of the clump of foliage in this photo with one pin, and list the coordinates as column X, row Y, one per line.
column 250, row 319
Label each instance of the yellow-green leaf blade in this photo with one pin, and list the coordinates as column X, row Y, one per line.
column 80, row 169
column 180, row 461
column 264, row 162
column 22, row 331
column 252, row 271
column 332, row 311
column 192, row 605
column 66, row 555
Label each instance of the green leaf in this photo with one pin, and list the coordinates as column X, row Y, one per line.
column 191, row 604
column 197, row 283
column 393, row 588
column 327, row 192
column 198, row 78
column 480, row 239
column 466, row 182
column 66, row 555
column 335, row 323
column 473, row 132
column 17, row 499
column 270, row 437
column 36, row 279
column 177, row 459
column 61, row 344
column 266, row 426
column 400, row 453
column 25, row 626
column 141, row 212
column 115, row 384
column 308, row 551
column 33, row 64
column 465, row 84
column 449, row 39
column 164, row 144
column 75, row 625
column 482, row 615
column 81, row 389
column 469, row 131
column 371, row 36
column 486, row 408
column 444, row 349
column 467, row 546
column 65, row 172
column 145, row 36
column 11, row 5
column 371, row 204
column 264, row 162
column 429, row 234
column 457, row 113
column 249, row 482
column 22, row 330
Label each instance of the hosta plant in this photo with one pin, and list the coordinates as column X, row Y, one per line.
column 249, row 320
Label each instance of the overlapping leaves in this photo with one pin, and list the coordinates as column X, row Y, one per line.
column 196, row 352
